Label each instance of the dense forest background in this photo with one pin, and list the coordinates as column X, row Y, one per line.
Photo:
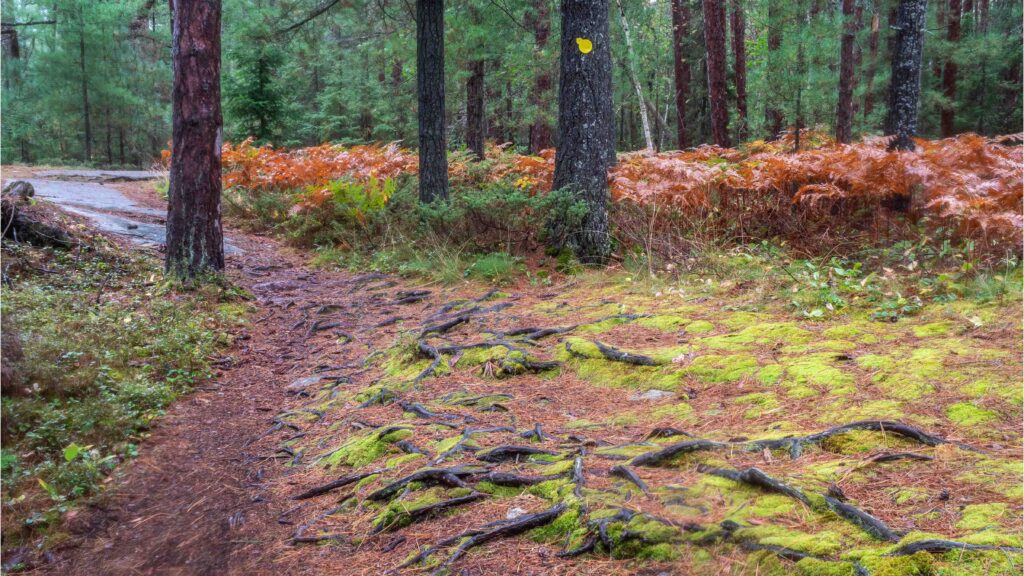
column 89, row 80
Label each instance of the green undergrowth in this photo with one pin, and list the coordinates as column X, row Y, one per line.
column 106, row 346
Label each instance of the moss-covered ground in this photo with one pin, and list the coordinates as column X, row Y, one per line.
column 723, row 365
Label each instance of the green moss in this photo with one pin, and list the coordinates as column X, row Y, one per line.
column 404, row 458
column 769, row 333
column 359, row 451
column 933, row 329
column 997, row 475
column 981, row 516
column 815, row 567
column 400, row 511
column 478, row 356
column 667, row 323
column 551, row 489
column 876, row 362
column 769, row 506
column 714, row 369
column 699, row 327
column 759, row 402
column 860, row 441
column 906, row 377
column 644, row 538
column 811, row 370
column 820, row 543
column 566, row 523
column 918, row 564
column 821, row 346
column 967, row 414
column 677, row 411
column 908, row 495
column 591, row 366
column 874, row 410
column 497, row 491
column 743, row 319
column 770, row 374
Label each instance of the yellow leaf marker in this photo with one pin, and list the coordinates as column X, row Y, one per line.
column 584, row 45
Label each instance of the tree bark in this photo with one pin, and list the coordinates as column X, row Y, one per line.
column 540, row 131
column 430, row 93
column 85, row 86
column 714, row 44
column 586, row 147
column 475, row 109
column 195, row 241
column 631, row 62
column 773, row 115
column 869, row 88
column 949, row 72
column 680, row 29
column 844, row 108
column 905, row 92
column 739, row 51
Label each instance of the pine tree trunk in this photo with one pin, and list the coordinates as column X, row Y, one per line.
column 586, row 147
column 869, row 88
column 195, row 242
column 631, row 62
column 85, row 87
column 950, row 70
column 905, row 92
column 475, row 109
column 540, row 131
column 714, row 44
column 430, row 93
column 739, row 51
column 844, row 108
column 680, row 28
column 773, row 115
column 110, row 138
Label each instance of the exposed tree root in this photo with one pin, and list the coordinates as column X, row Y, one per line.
column 516, row 480
column 383, row 398
column 475, row 537
column 426, row 476
column 628, row 474
column 417, row 514
column 445, row 326
column 894, row 456
column 321, row 325
column 936, row 546
column 669, row 452
column 510, row 452
column 756, row 477
column 466, row 435
column 432, row 352
column 422, row 411
column 616, row 355
column 335, row 484
column 794, row 444
column 865, row 521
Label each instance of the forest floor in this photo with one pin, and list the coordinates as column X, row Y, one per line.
column 645, row 430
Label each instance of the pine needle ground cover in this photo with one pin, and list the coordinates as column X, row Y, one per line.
column 609, row 426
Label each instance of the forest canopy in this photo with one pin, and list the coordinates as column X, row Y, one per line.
column 89, row 81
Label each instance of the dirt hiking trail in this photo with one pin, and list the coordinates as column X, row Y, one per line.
column 364, row 424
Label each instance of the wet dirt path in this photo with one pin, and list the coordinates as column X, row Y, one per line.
column 194, row 501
